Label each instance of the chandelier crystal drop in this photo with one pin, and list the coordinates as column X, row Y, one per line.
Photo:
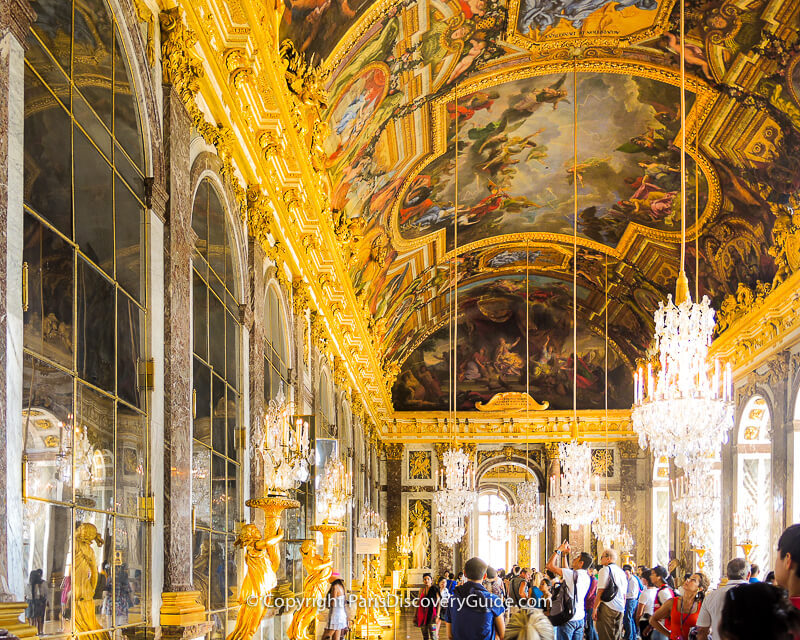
column 572, row 500
column 527, row 517
column 608, row 523
column 285, row 451
column 335, row 492
column 696, row 500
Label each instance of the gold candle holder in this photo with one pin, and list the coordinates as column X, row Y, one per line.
column 747, row 547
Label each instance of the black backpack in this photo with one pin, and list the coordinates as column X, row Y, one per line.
column 562, row 606
column 611, row 589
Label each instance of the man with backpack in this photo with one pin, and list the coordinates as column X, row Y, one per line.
column 567, row 611
column 612, row 585
column 519, row 589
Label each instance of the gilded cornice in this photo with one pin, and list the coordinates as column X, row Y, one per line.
column 545, row 426
column 762, row 328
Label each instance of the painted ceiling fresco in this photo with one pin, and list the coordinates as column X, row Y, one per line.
column 513, row 73
column 516, row 164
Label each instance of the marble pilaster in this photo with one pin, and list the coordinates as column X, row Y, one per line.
column 178, row 245
column 16, row 17
column 255, row 322
column 394, row 497
column 629, row 498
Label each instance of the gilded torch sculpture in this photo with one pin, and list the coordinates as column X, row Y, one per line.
column 85, row 581
column 284, row 454
column 333, row 500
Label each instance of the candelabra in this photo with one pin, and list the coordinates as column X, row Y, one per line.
column 285, row 450
column 572, row 500
column 404, row 547
column 684, row 406
column 745, row 524
column 335, row 492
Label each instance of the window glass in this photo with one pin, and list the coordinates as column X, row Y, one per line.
column 217, row 407
column 86, row 423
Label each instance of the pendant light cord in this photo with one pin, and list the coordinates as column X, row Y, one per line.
column 455, row 286
column 575, row 248
column 682, row 285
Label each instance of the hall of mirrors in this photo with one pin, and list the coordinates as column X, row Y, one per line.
column 297, row 291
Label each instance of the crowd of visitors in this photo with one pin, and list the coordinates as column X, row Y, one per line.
column 573, row 600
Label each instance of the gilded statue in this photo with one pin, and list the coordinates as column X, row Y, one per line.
column 367, row 612
column 318, row 569
column 85, row 581
column 375, row 585
column 261, row 557
column 419, row 545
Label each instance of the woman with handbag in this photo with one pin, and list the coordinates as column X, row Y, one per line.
column 682, row 610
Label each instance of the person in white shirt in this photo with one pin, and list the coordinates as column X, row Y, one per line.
column 647, row 598
column 631, row 600
column 608, row 612
column 577, row 582
column 711, row 613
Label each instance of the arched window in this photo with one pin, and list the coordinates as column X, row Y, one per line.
column 661, row 513
column 494, row 537
column 276, row 349
column 754, row 483
column 85, row 416
column 216, row 456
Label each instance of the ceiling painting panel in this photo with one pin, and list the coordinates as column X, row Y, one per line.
column 492, row 347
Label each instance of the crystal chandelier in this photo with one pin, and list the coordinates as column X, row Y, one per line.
column 456, row 491
column 335, row 492
column 527, row 517
column 683, row 408
column 285, row 451
column 449, row 528
column 371, row 525
column 606, row 526
column 697, row 500
column 572, row 500
column 498, row 522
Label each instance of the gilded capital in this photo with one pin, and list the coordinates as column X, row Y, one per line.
column 629, row 449
column 181, row 66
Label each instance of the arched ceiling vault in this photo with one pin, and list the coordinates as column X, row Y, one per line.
column 450, row 153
